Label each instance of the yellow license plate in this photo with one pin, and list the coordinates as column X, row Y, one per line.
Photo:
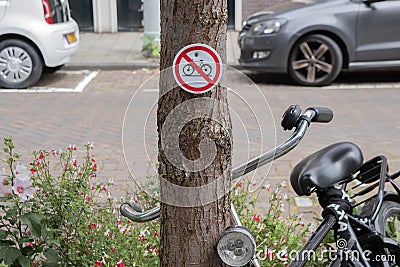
column 71, row 37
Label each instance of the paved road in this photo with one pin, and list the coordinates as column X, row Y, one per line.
column 368, row 117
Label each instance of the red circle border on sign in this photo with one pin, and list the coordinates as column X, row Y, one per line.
column 185, row 52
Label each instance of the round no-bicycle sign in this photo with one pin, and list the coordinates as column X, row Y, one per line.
column 197, row 68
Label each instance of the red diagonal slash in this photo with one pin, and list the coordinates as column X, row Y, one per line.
column 197, row 68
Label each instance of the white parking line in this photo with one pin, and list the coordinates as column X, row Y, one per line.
column 362, row 86
column 90, row 75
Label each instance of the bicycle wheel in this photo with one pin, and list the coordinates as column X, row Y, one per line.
column 207, row 69
column 388, row 224
column 188, row 70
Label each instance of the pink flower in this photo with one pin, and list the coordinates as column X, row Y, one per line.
column 33, row 170
column 92, row 226
column 113, row 250
column 120, row 264
column 23, row 188
column 53, row 152
column 240, row 185
column 155, row 250
column 99, row 263
column 91, row 145
column 104, row 187
column 257, row 218
column 71, row 147
column 124, row 229
column 21, row 173
column 41, row 156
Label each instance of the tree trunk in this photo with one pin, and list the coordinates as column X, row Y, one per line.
column 195, row 176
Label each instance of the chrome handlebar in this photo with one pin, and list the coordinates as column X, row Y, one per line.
column 135, row 214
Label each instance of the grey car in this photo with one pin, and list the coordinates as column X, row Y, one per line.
column 313, row 41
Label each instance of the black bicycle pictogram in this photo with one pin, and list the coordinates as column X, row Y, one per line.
column 188, row 69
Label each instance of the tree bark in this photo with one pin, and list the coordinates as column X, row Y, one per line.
column 197, row 210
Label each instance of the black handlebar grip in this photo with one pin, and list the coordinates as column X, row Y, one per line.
column 322, row 114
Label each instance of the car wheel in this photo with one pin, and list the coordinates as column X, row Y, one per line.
column 315, row 60
column 20, row 64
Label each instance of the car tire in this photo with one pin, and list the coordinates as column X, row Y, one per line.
column 315, row 60
column 20, row 64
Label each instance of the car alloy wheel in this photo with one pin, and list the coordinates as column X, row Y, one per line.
column 20, row 64
column 315, row 60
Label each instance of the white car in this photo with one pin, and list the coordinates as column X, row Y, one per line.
column 34, row 34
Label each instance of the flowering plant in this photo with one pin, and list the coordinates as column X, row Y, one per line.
column 24, row 236
column 277, row 232
column 69, row 219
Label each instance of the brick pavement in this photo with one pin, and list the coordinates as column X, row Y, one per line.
column 36, row 121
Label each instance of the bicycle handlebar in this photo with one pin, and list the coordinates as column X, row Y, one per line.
column 323, row 115
column 314, row 114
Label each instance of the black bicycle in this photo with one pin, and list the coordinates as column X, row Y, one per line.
column 344, row 184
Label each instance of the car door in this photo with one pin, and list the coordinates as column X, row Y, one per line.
column 378, row 31
column 3, row 7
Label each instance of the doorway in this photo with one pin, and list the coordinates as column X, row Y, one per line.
column 130, row 15
column 82, row 12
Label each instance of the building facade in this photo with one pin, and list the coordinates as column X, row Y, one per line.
column 127, row 15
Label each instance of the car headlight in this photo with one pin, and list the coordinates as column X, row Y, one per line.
column 268, row 27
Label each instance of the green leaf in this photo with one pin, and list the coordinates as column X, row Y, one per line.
column 27, row 251
column 53, row 242
column 50, row 264
column 4, row 243
column 4, row 234
column 33, row 220
column 51, row 255
column 25, row 262
column 9, row 254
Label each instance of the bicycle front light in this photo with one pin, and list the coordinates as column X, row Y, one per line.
column 236, row 246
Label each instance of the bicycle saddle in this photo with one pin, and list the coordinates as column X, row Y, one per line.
column 326, row 167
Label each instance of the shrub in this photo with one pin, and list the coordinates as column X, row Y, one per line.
column 58, row 221
column 277, row 232
column 70, row 219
